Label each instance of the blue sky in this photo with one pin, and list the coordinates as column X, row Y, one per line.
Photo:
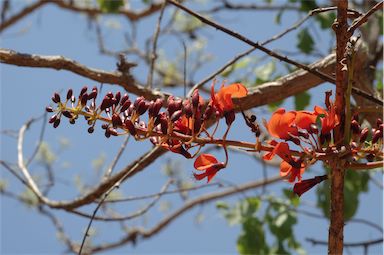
column 26, row 91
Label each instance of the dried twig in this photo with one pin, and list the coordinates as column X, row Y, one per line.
column 62, row 63
column 153, row 55
column 24, row 12
column 136, row 233
column 360, row 21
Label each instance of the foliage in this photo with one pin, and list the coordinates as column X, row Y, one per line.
column 277, row 218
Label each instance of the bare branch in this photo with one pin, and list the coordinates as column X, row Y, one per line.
column 153, row 55
column 134, row 234
column 26, row 11
column 234, row 34
column 62, row 63
column 92, row 11
column 363, row 243
column 360, row 21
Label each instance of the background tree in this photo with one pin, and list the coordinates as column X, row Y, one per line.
column 157, row 49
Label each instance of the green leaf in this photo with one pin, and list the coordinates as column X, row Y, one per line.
column 278, row 17
column 273, row 106
column 238, row 65
column 293, row 198
column 355, row 183
column 252, row 238
column 308, row 5
column 265, row 72
column 305, row 42
column 326, row 19
column 302, row 100
column 221, row 205
column 110, row 6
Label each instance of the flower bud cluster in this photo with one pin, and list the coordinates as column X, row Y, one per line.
column 366, row 142
column 117, row 112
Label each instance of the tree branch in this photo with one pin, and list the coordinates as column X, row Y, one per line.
column 336, row 226
column 61, row 63
column 26, row 11
column 136, row 233
column 363, row 19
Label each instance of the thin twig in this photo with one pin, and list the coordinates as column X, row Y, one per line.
column 108, row 173
column 360, row 21
column 130, row 216
column 61, row 63
column 234, row 34
column 153, row 55
column 41, row 136
column 128, row 199
column 135, row 233
column 356, row 244
column 24, row 12
column 323, row 76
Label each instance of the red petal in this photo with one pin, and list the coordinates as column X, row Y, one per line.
column 302, row 187
column 205, row 161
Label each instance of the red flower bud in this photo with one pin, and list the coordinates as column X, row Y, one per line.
column 355, row 127
column 69, row 94
column 56, row 123
column 176, row 115
column 92, row 95
column 52, row 119
column 379, row 122
column 124, row 99
column 83, row 90
column 195, row 99
column 313, row 129
column 129, row 125
column 116, row 120
column 118, row 97
column 229, row 117
column 376, row 136
column 188, row 108
column 164, row 125
column 305, row 185
column 56, row 98
column 67, row 114
column 125, row 106
column 364, row 135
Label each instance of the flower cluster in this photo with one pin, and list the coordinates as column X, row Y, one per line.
column 176, row 128
column 180, row 125
column 301, row 128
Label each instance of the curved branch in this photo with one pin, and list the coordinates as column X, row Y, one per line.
column 91, row 11
column 61, row 63
column 144, row 234
column 26, row 11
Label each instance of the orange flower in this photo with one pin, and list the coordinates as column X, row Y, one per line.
column 304, row 119
column 281, row 149
column 222, row 100
column 305, row 185
column 175, row 146
column 291, row 172
column 184, row 125
column 280, row 124
column 330, row 119
column 209, row 164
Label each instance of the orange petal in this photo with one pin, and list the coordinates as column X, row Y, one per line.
column 280, row 124
column 204, row 161
column 282, row 149
column 236, row 90
column 285, row 168
column 304, row 119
